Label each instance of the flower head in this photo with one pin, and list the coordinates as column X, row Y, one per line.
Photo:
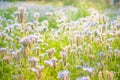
column 88, row 69
column 83, row 78
column 64, row 75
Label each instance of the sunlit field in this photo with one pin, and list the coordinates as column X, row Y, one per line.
column 59, row 40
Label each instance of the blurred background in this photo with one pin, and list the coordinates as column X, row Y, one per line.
column 80, row 6
column 73, row 2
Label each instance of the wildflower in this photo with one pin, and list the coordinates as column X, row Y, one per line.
column 40, row 70
column 64, row 75
column 117, row 53
column 63, row 54
column 83, row 78
column 49, row 63
column 3, row 51
column 28, row 40
column 36, row 15
column 78, row 39
column 36, row 50
column 54, row 62
column 34, row 70
column 66, row 49
column 101, row 54
column 50, row 52
column 21, row 15
column 4, row 34
column 88, row 69
column 103, row 28
column 14, row 55
column 33, row 61
column 64, row 57
column 25, row 41
column 117, row 26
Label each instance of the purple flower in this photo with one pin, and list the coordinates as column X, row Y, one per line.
column 64, row 75
column 83, row 78
column 88, row 69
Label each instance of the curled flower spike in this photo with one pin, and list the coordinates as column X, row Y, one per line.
column 54, row 62
column 50, row 52
column 78, row 39
column 63, row 54
column 14, row 55
column 21, row 15
column 3, row 51
column 64, row 57
column 40, row 70
column 33, row 61
column 28, row 40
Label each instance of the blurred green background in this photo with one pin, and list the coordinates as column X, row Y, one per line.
column 71, row 2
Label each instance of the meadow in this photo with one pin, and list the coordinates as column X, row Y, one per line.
column 59, row 42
